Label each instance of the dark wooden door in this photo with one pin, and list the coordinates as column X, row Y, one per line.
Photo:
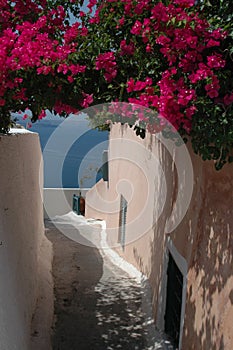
column 173, row 301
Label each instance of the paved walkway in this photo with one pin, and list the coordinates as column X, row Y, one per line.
column 98, row 306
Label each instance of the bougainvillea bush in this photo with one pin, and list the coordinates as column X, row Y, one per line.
column 172, row 56
column 37, row 45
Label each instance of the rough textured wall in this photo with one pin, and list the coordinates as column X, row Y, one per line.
column 209, row 307
column 21, row 232
column 203, row 238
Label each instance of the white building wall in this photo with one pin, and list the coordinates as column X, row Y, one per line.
column 21, row 234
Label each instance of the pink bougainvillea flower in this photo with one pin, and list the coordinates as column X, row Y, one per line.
column 107, row 62
column 121, row 21
column 192, row 41
column 190, row 111
column 76, row 68
column 70, row 79
column 137, row 28
column 212, row 43
column 72, row 32
column 218, row 34
column 25, row 116
column 63, row 68
column 87, row 100
column 42, row 114
column 201, row 73
column 228, row 99
column 185, row 3
column 185, row 96
column 212, row 88
column 44, row 70
column 148, row 48
column 215, row 61
column 61, row 107
column 159, row 12
column 163, row 40
column 127, row 49
column 2, row 102
column 91, row 4
column 138, row 85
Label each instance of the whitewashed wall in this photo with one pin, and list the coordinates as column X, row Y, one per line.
column 21, row 234
column 59, row 201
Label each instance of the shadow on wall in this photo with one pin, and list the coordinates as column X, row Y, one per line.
column 205, row 239
column 209, row 306
column 158, row 238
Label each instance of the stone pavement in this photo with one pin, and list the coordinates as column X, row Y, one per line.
column 98, row 306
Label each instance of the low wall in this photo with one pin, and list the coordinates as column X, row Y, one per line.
column 21, row 235
column 59, row 201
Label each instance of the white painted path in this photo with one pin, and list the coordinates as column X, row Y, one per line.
column 114, row 303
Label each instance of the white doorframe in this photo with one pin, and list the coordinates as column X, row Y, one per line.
column 183, row 267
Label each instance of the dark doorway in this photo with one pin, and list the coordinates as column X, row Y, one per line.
column 173, row 301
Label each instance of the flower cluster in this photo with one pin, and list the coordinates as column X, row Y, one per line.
column 183, row 38
column 127, row 49
column 167, row 55
column 36, row 43
column 106, row 61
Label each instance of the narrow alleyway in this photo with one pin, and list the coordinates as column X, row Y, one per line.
column 98, row 306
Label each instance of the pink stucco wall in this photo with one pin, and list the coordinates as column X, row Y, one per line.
column 209, row 309
column 138, row 169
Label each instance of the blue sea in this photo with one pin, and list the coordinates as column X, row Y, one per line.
column 72, row 150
